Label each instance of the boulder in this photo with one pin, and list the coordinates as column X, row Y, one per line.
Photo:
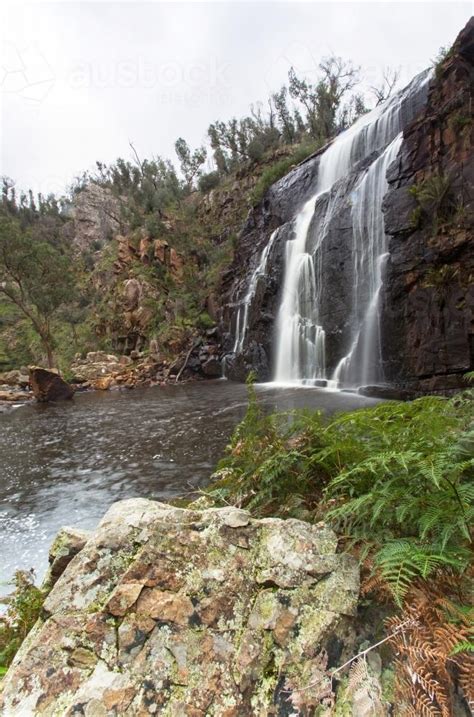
column 103, row 383
column 177, row 611
column 47, row 385
column 98, row 366
column 212, row 367
column 389, row 393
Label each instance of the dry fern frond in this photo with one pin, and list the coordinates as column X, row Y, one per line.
column 428, row 666
column 357, row 675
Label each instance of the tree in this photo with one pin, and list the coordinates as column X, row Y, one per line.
column 35, row 277
column 284, row 116
column 322, row 100
column 190, row 162
column 383, row 90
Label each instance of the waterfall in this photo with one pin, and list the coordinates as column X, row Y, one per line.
column 300, row 336
column 242, row 317
column 362, row 365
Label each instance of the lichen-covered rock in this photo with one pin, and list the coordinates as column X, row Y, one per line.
column 68, row 543
column 174, row 612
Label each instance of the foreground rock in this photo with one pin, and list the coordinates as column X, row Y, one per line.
column 49, row 386
column 180, row 612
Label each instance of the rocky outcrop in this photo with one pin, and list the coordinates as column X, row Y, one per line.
column 96, row 218
column 185, row 612
column 48, row 385
column 429, row 214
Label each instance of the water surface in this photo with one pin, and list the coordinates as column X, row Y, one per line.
column 65, row 463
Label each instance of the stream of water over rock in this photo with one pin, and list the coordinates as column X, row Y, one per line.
column 65, row 463
column 326, row 327
column 300, row 331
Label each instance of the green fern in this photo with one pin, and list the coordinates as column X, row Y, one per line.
column 396, row 478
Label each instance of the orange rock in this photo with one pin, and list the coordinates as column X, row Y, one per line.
column 124, row 596
column 169, row 607
column 103, row 383
column 118, row 700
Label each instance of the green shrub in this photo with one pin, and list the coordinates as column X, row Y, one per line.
column 444, row 53
column 209, row 181
column 459, row 122
column 204, row 321
column 434, row 198
column 24, row 608
column 278, row 170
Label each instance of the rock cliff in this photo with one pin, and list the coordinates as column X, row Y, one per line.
column 426, row 298
column 429, row 215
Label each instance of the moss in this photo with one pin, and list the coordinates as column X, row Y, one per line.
column 23, row 611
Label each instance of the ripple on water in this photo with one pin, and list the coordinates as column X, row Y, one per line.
column 65, row 464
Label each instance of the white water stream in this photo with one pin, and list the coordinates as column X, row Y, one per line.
column 242, row 318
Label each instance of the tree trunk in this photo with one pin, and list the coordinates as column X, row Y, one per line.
column 49, row 353
column 48, row 345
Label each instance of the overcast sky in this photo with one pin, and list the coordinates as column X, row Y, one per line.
column 79, row 80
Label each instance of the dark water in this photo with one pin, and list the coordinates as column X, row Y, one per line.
column 65, row 464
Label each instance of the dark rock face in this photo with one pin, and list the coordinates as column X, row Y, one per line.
column 49, row 386
column 276, row 211
column 427, row 297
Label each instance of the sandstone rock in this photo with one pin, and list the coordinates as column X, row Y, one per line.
column 103, row 383
column 48, row 385
column 96, row 216
column 133, row 294
column 176, row 611
column 100, row 367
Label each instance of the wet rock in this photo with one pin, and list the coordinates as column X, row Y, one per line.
column 48, row 385
column 103, row 383
column 427, row 298
column 390, row 393
column 212, row 367
column 181, row 611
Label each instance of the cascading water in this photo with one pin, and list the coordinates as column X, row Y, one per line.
column 362, row 365
column 300, row 333
column 242, row 317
